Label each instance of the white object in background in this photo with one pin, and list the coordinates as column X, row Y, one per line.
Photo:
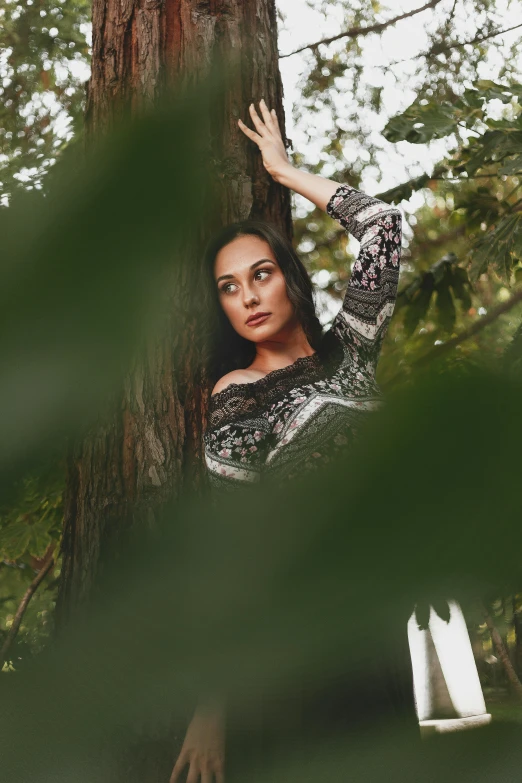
column 448, row 693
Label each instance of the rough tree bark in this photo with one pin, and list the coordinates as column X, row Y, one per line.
column 148, row 448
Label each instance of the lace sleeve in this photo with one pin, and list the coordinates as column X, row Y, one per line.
column 236, row 439
column 363, row 319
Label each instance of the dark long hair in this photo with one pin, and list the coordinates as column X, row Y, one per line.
column 227, row 350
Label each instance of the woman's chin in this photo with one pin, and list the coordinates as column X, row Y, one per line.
column 261, row 333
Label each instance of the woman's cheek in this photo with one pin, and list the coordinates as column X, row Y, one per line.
column 235, row 316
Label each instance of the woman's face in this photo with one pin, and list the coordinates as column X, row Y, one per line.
column 250, row 281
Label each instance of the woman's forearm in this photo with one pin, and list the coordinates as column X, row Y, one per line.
column 316, row 189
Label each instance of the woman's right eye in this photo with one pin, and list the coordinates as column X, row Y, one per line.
column 225, row 287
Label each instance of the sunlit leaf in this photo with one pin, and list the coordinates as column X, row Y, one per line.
column 499, row 248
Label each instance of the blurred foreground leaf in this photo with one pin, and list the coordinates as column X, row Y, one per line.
column 280, row 587
column 87, row 269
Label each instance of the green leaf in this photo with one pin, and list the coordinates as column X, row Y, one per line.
column 502, row 92
column 15, row 541
column 513, row 166
column 420, row 124
column 499, row 248
column 445, row 306
column 472, row 98
column 493, row 146
column 417, row 309
column 460, row 285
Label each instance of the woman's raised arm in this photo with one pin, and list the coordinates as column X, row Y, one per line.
column 370, row 296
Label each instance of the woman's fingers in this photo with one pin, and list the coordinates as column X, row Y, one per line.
column 266, row 128
column 248, row 132
column 267, row 116
column 206, row 774
column 204, row 771
column 193, row 774
column 178, row 766
column 276, row 122
column 260, row 125
column 219, row 773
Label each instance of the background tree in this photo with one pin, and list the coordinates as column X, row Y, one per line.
column 43, row 56
column 150, row 449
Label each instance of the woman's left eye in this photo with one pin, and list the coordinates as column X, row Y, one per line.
column 263, row 271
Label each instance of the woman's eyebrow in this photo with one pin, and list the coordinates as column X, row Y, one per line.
column 257, row 263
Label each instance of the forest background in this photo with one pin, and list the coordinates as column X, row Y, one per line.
column 419, row 104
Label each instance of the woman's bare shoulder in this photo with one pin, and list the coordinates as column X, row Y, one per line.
column 237, row 376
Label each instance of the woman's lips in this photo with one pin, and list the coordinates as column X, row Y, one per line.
column 259, row 320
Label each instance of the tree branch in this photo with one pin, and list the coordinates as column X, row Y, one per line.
column 31, row 590
column 441, row 239
column 452, row 12
column 417, row 183
column 440, row 49
column 473, row 176
column 414, row 184
column 477, row 39
column 355, row 32
column 476, row 327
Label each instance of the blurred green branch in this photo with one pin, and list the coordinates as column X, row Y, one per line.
column 476, row 327
column 426, row 280
column 47, row 564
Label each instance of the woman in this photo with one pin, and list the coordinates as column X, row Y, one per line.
column 293, row 398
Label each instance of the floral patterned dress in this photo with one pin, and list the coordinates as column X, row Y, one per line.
column 298, row 417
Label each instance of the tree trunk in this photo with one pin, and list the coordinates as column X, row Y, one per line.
column 147, row 446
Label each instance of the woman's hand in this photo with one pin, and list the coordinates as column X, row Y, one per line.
column 268, row 139
column 203, row 748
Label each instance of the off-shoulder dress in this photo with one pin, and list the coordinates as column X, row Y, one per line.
column 298, row 417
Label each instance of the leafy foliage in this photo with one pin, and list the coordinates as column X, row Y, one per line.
column 449, row 282
column 278, row 601
column 502, row 247
column 426, row 119
column 496, row 142
column 41, row 46
column 76, row 308
column 30, row 525
column 33, row 520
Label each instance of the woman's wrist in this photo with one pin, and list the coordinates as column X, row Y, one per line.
column 283, row 174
